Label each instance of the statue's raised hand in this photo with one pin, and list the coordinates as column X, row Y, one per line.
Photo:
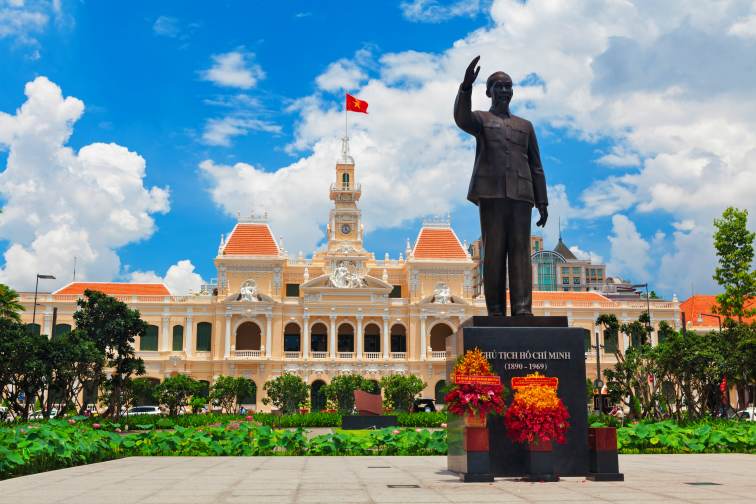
column 471, row 73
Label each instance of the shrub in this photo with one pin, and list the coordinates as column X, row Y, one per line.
column 341, row 390
column 174, row 392
column 318, row 419
column 229, row 391
column 286, row 392
column 422, row 419
column 399, row 391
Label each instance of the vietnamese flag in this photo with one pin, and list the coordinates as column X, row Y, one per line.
column 356, row 105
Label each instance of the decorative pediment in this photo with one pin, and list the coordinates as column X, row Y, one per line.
column 442, row 296
column 367, row 284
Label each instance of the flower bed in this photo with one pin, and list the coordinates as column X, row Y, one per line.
column 715, row 436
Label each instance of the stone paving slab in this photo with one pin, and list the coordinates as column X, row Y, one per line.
column 188, row 480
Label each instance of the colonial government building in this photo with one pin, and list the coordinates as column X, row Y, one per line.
column 340, row 311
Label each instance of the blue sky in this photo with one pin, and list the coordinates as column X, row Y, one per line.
column 637, row 163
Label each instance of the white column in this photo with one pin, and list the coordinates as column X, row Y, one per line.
column 359, row 337
column 188, row 335
column 227, row 341
column 305, row 336
column 423, row 339
column 165, row 335
column 268, row 333
column 386, row 338
column 332, row 338
column 47, row 325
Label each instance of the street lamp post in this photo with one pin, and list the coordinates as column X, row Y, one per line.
column 719, row 319
column 598, row 384
column 36, row 288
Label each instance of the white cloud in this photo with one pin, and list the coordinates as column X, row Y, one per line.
column 586, row 255
column 22, row 22
column 167, row 26
column 435, row 11
column 667, row 88
column 61, row 204
column 234, row 69
column 629, row 251
column 342, row 74
column 180, row 278
column 219, row 131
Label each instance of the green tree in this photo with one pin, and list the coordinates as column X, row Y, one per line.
column 287, row 392
column 174, row 392
column 734, row 244
column 399, row 391
column 73, row 360
column 113, row 328
column 611, row 331
column 229, row 391
column 10, row 308
column 24, row 366
column 341, row 390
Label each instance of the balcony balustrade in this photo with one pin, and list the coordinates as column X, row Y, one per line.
column 345, row 355
column 399, row 355
column 292, row 355
column 247, row 354
column 372, row 355
column 319, row 355
column 438, row 355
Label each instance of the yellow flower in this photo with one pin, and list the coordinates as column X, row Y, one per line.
column 474, row 363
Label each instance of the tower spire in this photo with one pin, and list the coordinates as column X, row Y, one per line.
column 345, row 157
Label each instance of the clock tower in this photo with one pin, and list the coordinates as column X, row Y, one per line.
column 345, row 219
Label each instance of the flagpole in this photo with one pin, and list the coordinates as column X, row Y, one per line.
column 346, row 124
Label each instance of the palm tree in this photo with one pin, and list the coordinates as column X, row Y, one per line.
column 10, row 308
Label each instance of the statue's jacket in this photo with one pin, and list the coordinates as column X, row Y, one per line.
column 507, row 159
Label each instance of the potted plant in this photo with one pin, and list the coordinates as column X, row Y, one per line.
column 476, row 390
column 538, row 418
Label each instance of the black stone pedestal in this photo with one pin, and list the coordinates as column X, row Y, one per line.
column 472, row 466
column 355, row 422
column 518, row 346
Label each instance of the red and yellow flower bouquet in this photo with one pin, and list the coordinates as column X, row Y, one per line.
column 536, row 414
column 477, row 390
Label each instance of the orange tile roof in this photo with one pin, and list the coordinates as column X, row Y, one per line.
column 438, row 243
column 116, row 288
column 251, row 239
column 568, row 295
column 701, row 303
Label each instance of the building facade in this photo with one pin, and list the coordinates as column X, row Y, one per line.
column 341, row 310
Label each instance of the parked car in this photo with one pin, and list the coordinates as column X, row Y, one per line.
column 426, row 405
column 144, row 410
column 748, row 414
column 39, row 415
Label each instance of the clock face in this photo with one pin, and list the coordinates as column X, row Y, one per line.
column 346, row 229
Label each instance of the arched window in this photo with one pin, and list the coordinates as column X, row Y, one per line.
column 33, row 329
column 372, row 338
column 204, row 336
column 610, row 343
column 248, row 336
column 438, row 337
column 291, row 337
column 317, row 397
column 149, row 340
column 439, row 390
column 249, row 400
column 398, row 338
column 319, row 338
column 345, row 180
column 178, row 338
column 61, row 329
column 346, row 338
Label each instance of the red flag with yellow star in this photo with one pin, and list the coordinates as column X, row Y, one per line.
column 356, row 105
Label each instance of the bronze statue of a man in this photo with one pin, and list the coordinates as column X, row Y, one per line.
column 507, row 181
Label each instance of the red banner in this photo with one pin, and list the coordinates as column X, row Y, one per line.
column 534, row 381
column 476, row 380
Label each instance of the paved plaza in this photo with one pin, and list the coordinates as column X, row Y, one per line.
column 188, row 480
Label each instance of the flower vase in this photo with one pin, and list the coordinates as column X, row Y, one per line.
column 475, row 421
column 540, row 459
